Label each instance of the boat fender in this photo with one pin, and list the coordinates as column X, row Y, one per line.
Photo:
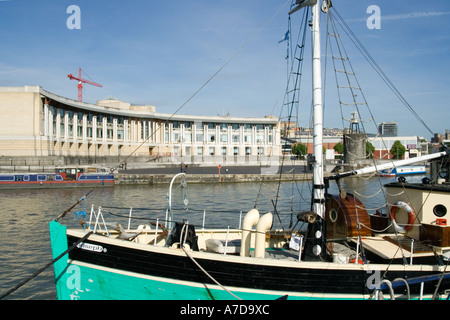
column 411, row 216
column 250, row 220
column 264, row 224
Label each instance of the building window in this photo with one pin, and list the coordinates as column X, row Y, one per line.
column 260, row 137
column 145, row 130
column 187, row 125
column 199, row 151
column 236, row 151
column 187, row 137
column 176, row 124
column 175, row 137
column 261, row 151
column 224, row 151
column 199, row 137
column 120, row 134
column 248, row 151
column 211, row 151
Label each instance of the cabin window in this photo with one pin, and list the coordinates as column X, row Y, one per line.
column 41, row 177
column 19, row 178
column 440, row 210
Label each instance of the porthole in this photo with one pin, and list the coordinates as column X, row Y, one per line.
column 333, row 215
column 439, row 210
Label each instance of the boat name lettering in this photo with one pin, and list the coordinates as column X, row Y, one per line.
column 91, row 247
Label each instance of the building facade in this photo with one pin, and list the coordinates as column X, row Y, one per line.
column 387, row 129
column 38, row 123
column 383, row 146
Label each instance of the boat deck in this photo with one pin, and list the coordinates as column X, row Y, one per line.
column 389, row 247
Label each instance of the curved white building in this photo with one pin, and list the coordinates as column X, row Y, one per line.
column 38, row 123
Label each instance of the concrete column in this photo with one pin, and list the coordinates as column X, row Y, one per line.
column 105, row 129
column 84, row 127
column 126, row 135
column 115, row 130
column 66, row 125
column 75, row 127
column 58, row 124
column 46, row 111
column 94, row 128
column 50, row 123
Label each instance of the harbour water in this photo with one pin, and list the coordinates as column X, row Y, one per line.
column 25, row 215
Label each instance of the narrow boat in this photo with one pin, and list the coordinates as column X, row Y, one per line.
column 403, row 170
column 341, row 252
column 67, row 177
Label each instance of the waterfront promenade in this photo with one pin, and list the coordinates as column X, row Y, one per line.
column 210, row 173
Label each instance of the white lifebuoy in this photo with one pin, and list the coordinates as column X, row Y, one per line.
column 411, row 216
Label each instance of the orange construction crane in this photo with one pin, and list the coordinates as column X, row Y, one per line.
column 80, row 84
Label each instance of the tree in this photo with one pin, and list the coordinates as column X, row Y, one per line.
column 299, row 149
column 339, row 148
column 397, row 150
column 370, row 149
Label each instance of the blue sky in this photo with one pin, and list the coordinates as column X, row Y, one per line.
column 161, row 52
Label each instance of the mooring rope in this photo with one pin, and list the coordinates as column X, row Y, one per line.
column 34, row 275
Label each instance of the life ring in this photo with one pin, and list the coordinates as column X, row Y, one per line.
column 411, row 216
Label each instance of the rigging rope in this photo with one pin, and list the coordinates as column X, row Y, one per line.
column 34, row 275
column 203, row 85
column 376, row 67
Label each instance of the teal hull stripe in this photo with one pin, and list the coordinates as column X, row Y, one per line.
column 90, row 283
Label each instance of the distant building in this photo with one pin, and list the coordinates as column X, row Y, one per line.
column 38, row 123
column 383, row 146
column 387, row 129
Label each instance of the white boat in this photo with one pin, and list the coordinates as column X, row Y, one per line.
column 344, row 253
